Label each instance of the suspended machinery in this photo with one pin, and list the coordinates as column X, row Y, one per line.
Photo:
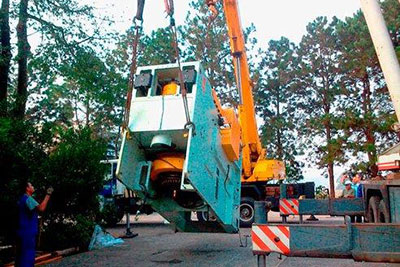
column 190, row 156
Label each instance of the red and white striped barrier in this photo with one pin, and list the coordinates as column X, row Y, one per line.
column 267, row 239
column 391, row 165
column 289, row 206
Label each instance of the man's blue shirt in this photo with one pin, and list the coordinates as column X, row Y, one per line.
column 28, row 217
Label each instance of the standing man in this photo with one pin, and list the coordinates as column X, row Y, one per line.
column 348, row 192
column 357, row 186
column 358, row 191
column 28, row 225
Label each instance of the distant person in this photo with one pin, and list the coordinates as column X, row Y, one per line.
column 345, row 177
column 357, row 186
column 348, row 192
column 358, row 191
column 28, row 225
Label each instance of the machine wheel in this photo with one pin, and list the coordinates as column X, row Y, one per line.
column 246, row 211
column 383, row 212
column 203, row 216
column 373, row 209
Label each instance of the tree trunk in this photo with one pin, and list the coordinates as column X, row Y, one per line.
column 5, row 56
column 331, row 181
column 330, row 164
column 368, row 130
column 328, row 129
column 88, row 110
column 278, row 117
column 23, row 53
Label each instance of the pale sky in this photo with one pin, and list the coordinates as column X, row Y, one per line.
column 272, row 19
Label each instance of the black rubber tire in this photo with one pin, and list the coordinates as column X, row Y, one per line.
column 373, row 209
column 383, row 212
column 246, row 211
column 202, row 216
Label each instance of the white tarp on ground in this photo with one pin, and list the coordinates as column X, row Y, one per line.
column 102, row 239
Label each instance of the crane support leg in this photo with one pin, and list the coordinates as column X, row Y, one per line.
column 362, row 242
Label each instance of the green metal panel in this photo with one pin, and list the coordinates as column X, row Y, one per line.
column 347, row 206
column 314, row 206
column 339, row 206
column 394, row 203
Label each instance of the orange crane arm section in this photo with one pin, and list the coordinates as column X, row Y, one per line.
column 251, row 142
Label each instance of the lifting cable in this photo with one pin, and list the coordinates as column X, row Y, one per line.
column 137, row 25
column 169, row 8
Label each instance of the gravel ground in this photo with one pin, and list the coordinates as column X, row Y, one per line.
column 158, row 245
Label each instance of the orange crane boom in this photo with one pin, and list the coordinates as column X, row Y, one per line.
column 251, row 142
column 254, row 166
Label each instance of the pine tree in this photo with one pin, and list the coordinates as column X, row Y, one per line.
column 366, row 104
column 318, row 89
column 5, row 54
column 276, row 106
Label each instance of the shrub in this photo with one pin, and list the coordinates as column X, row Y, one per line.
column 75, row 172
column 22, row 154
column 69, row 160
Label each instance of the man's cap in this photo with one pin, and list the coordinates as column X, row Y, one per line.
column 347, row 182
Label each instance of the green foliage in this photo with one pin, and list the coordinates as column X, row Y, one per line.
column 69, row 160
column 21, row 158
column 366, row 106
column 91, row 94
column 209, row 43
column 321, row 192
column 111, row 214
column 67, row 234
column 275, row 105
column 157, row 48
column 76, row 174
column 213, row 51
column 318, row 88
column 326, row 95
column 77, row 183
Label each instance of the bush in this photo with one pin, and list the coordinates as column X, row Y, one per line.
column 22, row 154
column 75, row 172
column 69, row 160
column 75, row 232
column 321, row 192
column 111, row 214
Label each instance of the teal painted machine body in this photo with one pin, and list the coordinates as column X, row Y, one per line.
column 208, row 181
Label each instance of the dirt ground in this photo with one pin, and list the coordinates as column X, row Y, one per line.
column 158, row 245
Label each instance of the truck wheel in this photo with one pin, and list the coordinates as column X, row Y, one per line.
column 383, row 212
column 203, row 216
column 373, row 209
column 246, row 211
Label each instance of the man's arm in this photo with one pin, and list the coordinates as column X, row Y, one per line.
column 42, row 206
column 351, row 193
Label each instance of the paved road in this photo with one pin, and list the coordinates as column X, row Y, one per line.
column 158, row 245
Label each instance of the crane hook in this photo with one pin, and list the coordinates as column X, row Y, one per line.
column 212, row 7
